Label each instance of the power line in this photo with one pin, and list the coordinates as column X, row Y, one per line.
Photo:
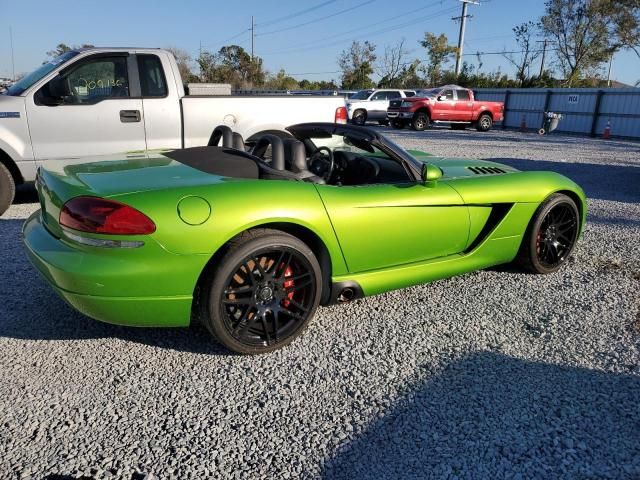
column 296, row 14
column 370, row 34
column 317, row 19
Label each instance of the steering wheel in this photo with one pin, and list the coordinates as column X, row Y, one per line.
column 323, row 155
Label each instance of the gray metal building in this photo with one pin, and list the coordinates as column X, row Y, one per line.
column 584, row 110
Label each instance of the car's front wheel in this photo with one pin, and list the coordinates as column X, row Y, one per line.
column 7, row 189
column 551, row 235
column 420, row 121
column 264, row 292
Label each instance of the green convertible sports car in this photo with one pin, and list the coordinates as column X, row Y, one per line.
column 250, row 243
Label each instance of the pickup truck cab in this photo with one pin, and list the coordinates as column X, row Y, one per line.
column 103, row 101
column 449, row 104
column 372, row 104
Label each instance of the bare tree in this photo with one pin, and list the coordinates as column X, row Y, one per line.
column 527, row 53
column 184, row 60
column 391, row 64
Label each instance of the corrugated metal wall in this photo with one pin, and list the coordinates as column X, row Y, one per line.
column 584, row 110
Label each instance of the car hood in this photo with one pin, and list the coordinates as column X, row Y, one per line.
column 464, row 167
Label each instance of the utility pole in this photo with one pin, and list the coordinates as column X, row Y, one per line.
column 609, row 73
column 463, row 25
column 544, row 54
column 253, row 36
column 13, row 62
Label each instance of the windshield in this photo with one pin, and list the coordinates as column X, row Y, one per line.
column 427, row 93
column 361, row 95
column 19, row 87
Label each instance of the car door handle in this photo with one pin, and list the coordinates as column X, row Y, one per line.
column 130, row 116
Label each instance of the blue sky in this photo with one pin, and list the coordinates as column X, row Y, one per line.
column 303, row 43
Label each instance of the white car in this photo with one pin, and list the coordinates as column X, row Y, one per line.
column 371, row 105
column 102, row 101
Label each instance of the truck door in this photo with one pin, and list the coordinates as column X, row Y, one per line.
column 445, row 106
column 377, row 108
column 91, row 108
column 464, row 105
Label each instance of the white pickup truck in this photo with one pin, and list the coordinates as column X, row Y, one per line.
column 102, row 101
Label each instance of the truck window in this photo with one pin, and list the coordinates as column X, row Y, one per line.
column 462, row 94
column 152, row 80
column 409, row 93
column 97, row 79
column 392, row 95
column 448, row 94
column 379, row 96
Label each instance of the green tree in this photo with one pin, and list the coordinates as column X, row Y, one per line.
column 580, row 31
column 64, row 48
column 439, row 52
column 357, row 65
column 281, row 81
column 231, row 64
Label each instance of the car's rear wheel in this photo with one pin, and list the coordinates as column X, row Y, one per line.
column 359, row 117
column 485, row 122
column 551, row 235
column 7, row 189
column 399, row 124
column 264, row 293
column 420, row 121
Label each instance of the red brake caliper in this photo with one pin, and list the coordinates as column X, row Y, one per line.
column 288, row 284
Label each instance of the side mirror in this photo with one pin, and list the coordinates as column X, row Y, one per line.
column 442, row 98
column 431, row 173
column 59, row 88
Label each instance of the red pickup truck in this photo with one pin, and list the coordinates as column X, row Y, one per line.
column 449, row 104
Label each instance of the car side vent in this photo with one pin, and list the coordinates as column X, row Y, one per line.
column 395, row 103
column 486, row 170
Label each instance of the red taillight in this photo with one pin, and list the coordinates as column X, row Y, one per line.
column 341, row 115
column 98, row 215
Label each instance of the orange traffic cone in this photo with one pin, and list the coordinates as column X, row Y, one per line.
column 523, row 124
column 607, row 131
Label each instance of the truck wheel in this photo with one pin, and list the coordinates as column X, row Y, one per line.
column 458, row 126
column 399, row 124
column 359, row 117
column 420, row 121
column 485, row 122
column 7, row 189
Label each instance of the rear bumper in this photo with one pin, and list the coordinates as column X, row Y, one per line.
column 122, row 286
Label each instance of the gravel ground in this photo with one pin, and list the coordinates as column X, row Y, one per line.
column 494, row 374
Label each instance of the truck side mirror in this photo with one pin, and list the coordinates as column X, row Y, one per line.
column 59, row 88
column 431, row 173
column 442, row 98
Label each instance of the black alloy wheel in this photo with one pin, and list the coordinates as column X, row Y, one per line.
column 551, row 236
column 264, row 294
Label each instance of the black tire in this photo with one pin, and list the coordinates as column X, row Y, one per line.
column 551, row 235
column 420, row 121
column 484, row 123
column 7, row 189
column 359, row 117
column 383, row 122
column 458, row 126
column 249, row 308
column 398, row 124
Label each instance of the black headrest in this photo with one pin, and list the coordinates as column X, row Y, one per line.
column 224, row 132
column 277, row 150
column 238, row 141
column 295, row 155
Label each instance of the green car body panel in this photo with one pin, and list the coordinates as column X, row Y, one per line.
column 381, row 236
